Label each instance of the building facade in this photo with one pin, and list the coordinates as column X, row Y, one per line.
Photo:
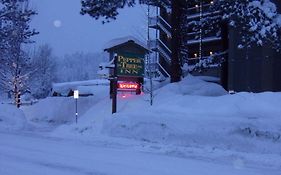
column 254, row 69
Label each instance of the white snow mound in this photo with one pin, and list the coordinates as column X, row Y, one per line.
column 11, row 118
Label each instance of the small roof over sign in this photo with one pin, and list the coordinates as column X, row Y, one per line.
column 115, row 43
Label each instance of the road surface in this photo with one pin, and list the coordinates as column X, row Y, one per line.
column 29, row 154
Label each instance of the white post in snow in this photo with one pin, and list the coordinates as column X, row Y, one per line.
column 76, row 96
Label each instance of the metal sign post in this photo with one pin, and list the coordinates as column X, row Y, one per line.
column 114, row 84
column 76, row 96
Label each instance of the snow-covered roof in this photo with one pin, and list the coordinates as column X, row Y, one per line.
column 65, row 88
column 207, row 39
column 123, row 40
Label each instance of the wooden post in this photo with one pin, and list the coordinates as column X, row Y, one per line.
column 114, row 96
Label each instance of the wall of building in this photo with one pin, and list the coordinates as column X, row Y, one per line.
column 254, row 69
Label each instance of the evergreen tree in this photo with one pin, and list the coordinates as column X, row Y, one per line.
column 15, row 17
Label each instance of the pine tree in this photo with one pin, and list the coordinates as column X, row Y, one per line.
column 15, row 17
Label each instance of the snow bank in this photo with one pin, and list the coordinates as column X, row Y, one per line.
column 192, row 86
column 196, row 113
column 11, row 118
column 58, row 110
column 189, row 113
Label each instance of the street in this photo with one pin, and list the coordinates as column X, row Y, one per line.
column 28, row 154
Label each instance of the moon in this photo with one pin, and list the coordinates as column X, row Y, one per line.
column 57, row 23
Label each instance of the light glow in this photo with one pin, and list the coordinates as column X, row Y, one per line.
column 128, row 86
column 57, row 23
column 76, row 94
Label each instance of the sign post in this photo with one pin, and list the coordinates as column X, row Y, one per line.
column 76, row 96
column 114, row 88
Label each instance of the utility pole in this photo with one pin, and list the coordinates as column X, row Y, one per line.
column 149, row 58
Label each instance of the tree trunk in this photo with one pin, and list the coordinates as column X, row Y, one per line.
column 177, row 13
column 225, row 47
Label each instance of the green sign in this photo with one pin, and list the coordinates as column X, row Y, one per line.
column 131, row 65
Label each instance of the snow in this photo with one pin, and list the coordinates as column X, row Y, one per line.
column 278, row 20
column 122, row 40
column 11, row 118
column 266, row 6
column 190, row 113
column 43, row 155
column 265, row 27
column 207, row 39
column 85, row 87
column 192, row 124
column 59, row 110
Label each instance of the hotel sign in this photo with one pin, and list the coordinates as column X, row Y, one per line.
column 130, row 65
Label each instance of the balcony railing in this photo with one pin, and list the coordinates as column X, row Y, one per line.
column 158, row 46
column 159, row 23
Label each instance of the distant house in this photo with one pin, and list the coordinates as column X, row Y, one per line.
column 85, row 87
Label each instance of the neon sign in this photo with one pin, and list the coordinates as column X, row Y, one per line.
column 126, row 85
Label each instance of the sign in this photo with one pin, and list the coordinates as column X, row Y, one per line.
column 130, row 65
column 128, row 85
column 76, row 94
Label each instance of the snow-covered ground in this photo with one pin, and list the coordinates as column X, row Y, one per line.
column 193, row 127
column 29, row 154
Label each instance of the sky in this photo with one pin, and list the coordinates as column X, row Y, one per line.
column 66, row 31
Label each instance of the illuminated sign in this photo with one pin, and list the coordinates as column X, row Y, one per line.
column 76, row 94
column 131, row 65
column 126, row 85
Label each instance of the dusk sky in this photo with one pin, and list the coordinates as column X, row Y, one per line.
column 61, row 26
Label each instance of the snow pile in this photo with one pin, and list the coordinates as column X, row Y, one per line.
column 11, row 118
column 192, row 86
column 58, row 110
column 193, row 113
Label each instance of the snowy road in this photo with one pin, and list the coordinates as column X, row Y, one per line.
column 28, row 154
